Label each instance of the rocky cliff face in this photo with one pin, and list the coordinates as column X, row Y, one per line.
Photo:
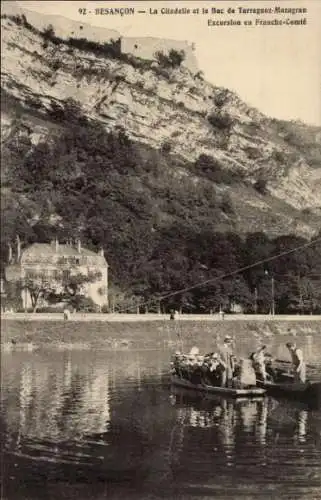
column 171, row 108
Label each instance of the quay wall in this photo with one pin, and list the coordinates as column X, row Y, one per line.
column 125, row 331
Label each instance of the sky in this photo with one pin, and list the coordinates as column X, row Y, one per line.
column 274, row 68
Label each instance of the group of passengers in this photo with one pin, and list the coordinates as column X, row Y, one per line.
column 221, row 368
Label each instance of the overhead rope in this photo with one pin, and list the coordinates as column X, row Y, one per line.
column 226, row 275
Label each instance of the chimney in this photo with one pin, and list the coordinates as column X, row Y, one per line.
column 18, row 248
column 101, row 252
column 56, row 245
column 79, row 245
column 9, row 253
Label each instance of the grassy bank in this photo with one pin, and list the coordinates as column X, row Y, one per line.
column 149, row 334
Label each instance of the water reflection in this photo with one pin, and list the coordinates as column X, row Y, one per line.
column 108, row 415
column 59, row 402
column 302, row 425
column 243, row 416
column 262, row 440
column 230, row 421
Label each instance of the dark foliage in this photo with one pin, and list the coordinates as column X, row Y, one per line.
column 199, row 75
column 221, row 121
column 83, row 304
column 110, row 49
column 49, row 32
column 159, row 232
column 221, row 98
column 173, row 59
column 260, row 186
column 212, row 169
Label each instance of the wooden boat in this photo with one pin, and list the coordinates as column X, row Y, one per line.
column 229, row 391
column 309, row 392
column 285, row 386
column 206, row 400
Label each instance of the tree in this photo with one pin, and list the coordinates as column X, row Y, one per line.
column 75, row 284
column 64, row 287
column 176, row 57
column 171, row 60
column 38, row 287
column 82, row 303
column 48, row 32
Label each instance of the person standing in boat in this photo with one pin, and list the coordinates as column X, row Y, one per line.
column 227, row 359
column 258, row 362
column 298, row 364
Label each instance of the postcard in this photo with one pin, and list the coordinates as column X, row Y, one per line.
column 161, row 249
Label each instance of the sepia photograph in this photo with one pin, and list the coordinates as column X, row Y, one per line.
column 160, row 250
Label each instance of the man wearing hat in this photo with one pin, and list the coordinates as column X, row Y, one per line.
column 227, row 359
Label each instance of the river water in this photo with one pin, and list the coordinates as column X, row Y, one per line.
column 96, row 425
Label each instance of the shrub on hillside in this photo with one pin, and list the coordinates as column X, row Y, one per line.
column 33, row 102
column 171, row 60
column 166, row 147
column 278, row 156
column 55, row 65
column 48, row 32
column 253, row 153
column 176, row 57
column 199, row 76
column 110, row 49
column 221, row 99
column 49, row 35
column 212, row 169
column 226, row 204
column 260, row 186
column 221, row 121
column 68, row 112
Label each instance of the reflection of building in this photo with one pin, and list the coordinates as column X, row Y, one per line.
column 56, row 262
column 58, row 405
column 2, row 292
column 25, row 400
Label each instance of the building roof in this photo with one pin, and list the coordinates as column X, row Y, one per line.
column 48, row 249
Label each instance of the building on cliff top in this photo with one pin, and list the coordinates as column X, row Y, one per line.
column 56, row 262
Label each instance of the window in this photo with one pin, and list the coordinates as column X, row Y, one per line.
column 56, row 274
column 66, row 274
column 30, row 274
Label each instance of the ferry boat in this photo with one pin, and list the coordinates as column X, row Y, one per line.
column 284, row 385
column 228, row 391
column 308, row 392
